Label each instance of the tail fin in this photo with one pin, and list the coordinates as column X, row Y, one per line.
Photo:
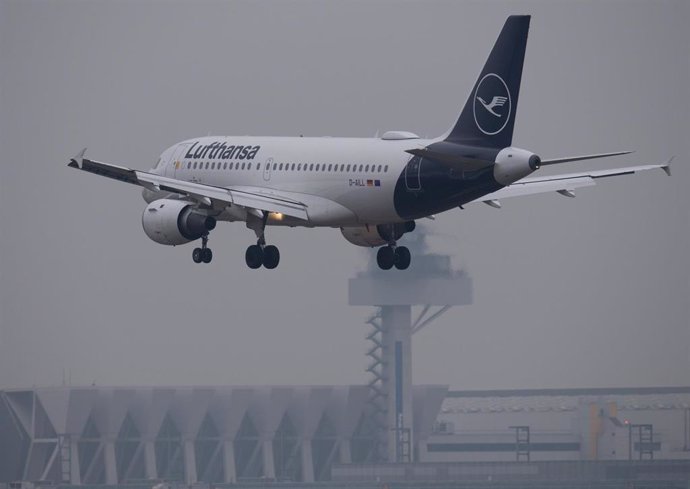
column 489, row 114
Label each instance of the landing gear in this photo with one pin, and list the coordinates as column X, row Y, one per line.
column 203, row 254
column 260, row 253
column 254, row 256
column 385, row 258
column 271, row 257
column 402, row 258
column 257, row 255
column 391, row 255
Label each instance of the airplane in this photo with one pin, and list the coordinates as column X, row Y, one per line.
column 372, row 189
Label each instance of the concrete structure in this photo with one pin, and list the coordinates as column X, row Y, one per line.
column 95, row 435
column 563, row 424
column 98, row 435
column 652, row 474
column 429, row 282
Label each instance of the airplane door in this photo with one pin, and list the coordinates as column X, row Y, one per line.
column 267, row 169
column 175, row 163
column 412, row 171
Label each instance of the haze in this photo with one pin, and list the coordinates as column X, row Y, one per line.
column 585, row 292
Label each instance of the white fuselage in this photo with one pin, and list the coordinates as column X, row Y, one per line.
column 343, row 181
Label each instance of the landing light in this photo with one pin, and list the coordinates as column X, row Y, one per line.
column 276, row 216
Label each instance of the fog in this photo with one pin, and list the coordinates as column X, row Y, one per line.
column 584, row 292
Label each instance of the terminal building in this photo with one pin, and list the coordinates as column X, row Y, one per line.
column 98, row 435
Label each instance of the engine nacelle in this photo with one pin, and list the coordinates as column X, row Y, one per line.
column 512, row 164
column 379, row 235
column 173, row 222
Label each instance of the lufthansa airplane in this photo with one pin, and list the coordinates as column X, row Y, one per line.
column 373, row 189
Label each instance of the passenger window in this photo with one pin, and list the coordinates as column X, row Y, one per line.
column 249, row 166
column 317, row 167
column 366, row 168
column 299, row 166
column 207, row 165
column 243, row 166
column 385, row 168
column 213, row 165
column 275, row 165
column 280, row 167
column 329, row 167
column 293, row 167
column 258, row 166
column 379, row 169
column 311, row 167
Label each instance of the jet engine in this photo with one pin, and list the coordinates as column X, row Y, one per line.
column 378, row 235
column 174, row 222
column 512, row 164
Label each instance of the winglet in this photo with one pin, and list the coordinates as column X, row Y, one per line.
column 667, row 166
column 78, row 160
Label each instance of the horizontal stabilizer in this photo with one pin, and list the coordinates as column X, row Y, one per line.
column 555, row 161
column 566, row 184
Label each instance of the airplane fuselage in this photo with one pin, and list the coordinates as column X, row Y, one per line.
column 343, row 181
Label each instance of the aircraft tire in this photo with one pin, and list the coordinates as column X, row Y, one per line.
column 254, row 256
column 385, row 258
column 271, row 257
column 196, row 255
column 206, row 255
column 402, row 258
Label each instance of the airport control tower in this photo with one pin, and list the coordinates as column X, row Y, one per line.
column 429, row 283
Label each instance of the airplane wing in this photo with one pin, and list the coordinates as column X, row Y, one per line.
column 204, row 194
column 564, row 184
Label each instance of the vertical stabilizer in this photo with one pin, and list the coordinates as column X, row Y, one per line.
column 489, row 114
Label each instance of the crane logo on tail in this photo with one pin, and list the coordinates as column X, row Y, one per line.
column 492, row 104
column 495, row 102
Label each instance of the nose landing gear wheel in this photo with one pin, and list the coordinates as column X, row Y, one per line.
column 196, row 255
column 203, row 254
column 402, row 258
column 254, row 256
column 385, row 258
column 271, row 257
column 206, row 255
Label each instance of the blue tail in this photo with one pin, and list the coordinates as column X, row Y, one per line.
column 488, row 117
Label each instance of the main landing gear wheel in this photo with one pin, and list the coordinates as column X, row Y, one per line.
column 254, row 256
column 257, row 255
column 402, row 258
column 271, row 257
column 385, row 258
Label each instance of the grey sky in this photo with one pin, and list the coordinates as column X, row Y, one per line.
column 586, row 292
